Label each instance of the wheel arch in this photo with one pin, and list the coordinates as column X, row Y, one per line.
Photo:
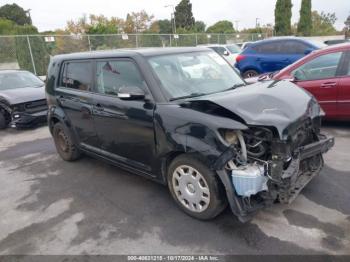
column 4, row 105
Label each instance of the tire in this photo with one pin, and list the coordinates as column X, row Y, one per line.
column 3, row 122
column 64, row 142
column 203, row 197
column 250, row 73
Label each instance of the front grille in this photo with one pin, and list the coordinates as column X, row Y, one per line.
column 35, row 106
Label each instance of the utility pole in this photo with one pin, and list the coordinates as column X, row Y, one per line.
column 236, row 22
column 28, row 12
column 257, row 22
column 347, row 29
column 172, row 16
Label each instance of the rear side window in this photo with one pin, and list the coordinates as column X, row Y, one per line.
column 77, row 75
column 293, row 47
column 113, row 75
column 268, row 48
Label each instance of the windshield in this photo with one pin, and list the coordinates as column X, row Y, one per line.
column 194, row 74
column 20, row 79
column 234, row 49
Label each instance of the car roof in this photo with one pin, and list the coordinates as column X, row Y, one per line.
column 146, row 52
column 280, row 38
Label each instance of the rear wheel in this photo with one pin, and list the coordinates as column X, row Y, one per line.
column 195, row 188
column 64, row 143
column 250, row 73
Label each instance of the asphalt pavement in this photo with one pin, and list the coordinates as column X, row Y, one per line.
column 49, row 206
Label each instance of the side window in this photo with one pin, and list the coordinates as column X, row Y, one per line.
column 113, row 75
column 293, row 47
column 220, row 50
column 347, row 58
column 269, row 48
column 324, row 66
column 77, row 75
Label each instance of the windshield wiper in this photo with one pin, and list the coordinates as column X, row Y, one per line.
column 237, row 85
column 234, row 86
column 187, row 96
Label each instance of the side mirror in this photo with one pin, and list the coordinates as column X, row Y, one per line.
column 131, row 93
column 226, row 53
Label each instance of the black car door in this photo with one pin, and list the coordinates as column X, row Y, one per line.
column 75, row 98
column 124, row 127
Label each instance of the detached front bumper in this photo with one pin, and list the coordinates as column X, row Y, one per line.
column 25, row 119
column 295, row 178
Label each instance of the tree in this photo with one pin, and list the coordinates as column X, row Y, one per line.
column 95, row 24
column 7, row 27
column 137, row 22
column 7, row 44
column 283, row 15
column 305, row 21
column 99, row 24
column 221, row 27
column 199, row 27
column 40, row 54
column 79, row 26
column 323, row 24
column 165, row 26
column 183, row 15
column 347, row 27
column 16, row 14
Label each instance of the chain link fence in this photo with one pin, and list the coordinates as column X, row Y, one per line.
column 33, row 52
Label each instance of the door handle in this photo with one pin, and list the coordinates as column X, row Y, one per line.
column 328, row 85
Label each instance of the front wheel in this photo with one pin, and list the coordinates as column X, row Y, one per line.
column 250, row 73
column 195, row 188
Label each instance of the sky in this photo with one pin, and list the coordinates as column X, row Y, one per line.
column 53, row 14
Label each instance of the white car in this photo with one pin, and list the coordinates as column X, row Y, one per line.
column 228, row 51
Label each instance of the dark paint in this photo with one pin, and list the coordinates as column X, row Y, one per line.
column 10, row 99
column 143, row 136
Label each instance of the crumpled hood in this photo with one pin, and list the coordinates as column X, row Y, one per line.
column 280, row 104
column 22, row 95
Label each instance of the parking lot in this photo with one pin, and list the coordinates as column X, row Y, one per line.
column 49, row 206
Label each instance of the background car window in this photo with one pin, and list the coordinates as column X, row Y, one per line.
column 293, row 47
column 77, row 75
column 219, row 49
column 268, row 48
column 113, row 75
column 234, row 49
column 324, row 66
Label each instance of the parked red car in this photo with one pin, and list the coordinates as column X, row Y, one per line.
column 326, row 74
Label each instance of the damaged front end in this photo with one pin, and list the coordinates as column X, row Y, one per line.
column 29, row 114
column 260, row 168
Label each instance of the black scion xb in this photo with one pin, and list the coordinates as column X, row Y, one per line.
column 185, row 118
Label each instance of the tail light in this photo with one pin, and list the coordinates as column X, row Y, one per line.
column 239, row 58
